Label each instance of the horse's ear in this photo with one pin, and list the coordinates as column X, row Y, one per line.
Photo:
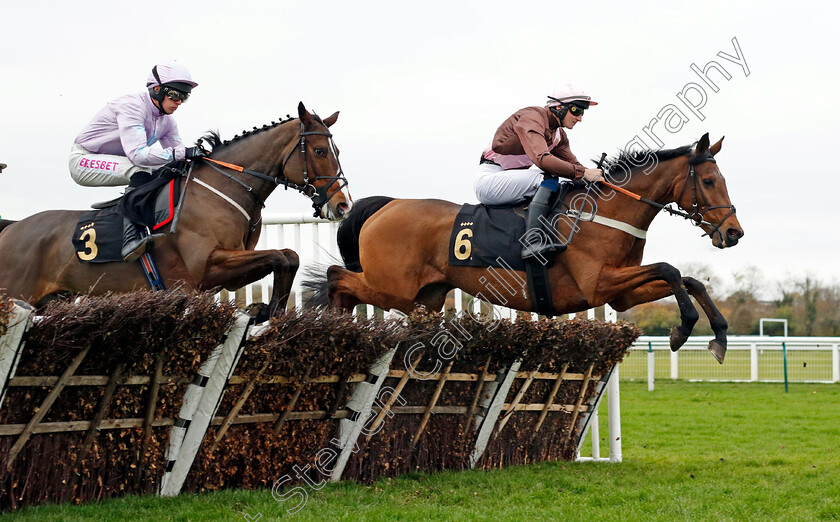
column 702, row 145
column 714, row 149
column 304, row 115
column 331, row 119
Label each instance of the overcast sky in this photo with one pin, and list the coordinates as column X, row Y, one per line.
column 422, row 86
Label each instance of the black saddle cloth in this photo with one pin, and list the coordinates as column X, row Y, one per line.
column 98, row 235
column 488, row 236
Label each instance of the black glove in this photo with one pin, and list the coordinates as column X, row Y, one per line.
column 194, row 152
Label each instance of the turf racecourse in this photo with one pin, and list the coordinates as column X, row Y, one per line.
column 692, row 451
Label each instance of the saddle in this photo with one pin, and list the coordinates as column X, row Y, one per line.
column 98, row 236
column 488, row 235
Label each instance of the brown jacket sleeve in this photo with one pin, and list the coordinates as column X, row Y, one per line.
column 563, row 152
column 560, row 161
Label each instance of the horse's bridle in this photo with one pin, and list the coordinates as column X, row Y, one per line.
column 697, row 216
column 318, row 195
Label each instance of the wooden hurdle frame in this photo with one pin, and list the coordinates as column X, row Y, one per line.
column 489, row 411
column 490, row 407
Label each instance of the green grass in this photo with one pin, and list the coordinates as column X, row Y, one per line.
column 692, row 451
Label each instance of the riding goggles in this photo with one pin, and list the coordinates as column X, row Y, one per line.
column 575, row 110
column 175, row 95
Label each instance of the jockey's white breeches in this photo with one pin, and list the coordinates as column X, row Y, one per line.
column 100, row 170
column 496, row 186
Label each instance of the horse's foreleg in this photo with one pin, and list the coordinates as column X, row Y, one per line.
column 233, row 269
column 658, row 289
column 644, row 294
column 716, row 320
column 626, row 287
column 347, row 289
column 284, row 277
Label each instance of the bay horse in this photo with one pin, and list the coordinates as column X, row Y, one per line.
column 396, row 251
column 217, row 229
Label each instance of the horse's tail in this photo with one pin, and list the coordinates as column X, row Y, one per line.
column 315, row 287
column 5, row 222
column 315, row 280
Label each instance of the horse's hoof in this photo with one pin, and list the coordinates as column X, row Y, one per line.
column 260, row 312
column 718, row 350
column 677, row 339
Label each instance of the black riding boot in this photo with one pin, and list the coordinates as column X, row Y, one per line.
column 539, row 207
column 134, row 246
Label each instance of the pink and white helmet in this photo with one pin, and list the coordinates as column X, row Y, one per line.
column 566, row 93
column 173, row 73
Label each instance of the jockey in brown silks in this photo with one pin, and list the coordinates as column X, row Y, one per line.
column 530, row 156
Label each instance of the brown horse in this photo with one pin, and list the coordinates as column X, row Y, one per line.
column 217, row 229
column 397, row 250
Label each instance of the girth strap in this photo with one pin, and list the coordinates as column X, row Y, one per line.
column 539, row 288
column 607, row 222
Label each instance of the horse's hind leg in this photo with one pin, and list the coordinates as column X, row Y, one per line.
column 719, row 325
column 347, row 289
column 433, row 296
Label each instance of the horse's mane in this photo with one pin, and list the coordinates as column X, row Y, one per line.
column 631, row 161
column 215, row 142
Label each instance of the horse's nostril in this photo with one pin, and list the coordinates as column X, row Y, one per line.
column 735, row 233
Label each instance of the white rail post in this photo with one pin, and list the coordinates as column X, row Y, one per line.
column 296, row 285
column 753, row 362
column 835, row 363
column 265, row 297
column 614, row 416
column 281, row 244
column 675, row 366
column 595, row 431
column 334, row 241
column 458, row 298
column 249, row 294
column 651, row 366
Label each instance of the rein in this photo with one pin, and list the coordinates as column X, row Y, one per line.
column 697, row 217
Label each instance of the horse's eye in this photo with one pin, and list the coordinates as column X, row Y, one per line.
column 321, row 152
column 710, row 182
